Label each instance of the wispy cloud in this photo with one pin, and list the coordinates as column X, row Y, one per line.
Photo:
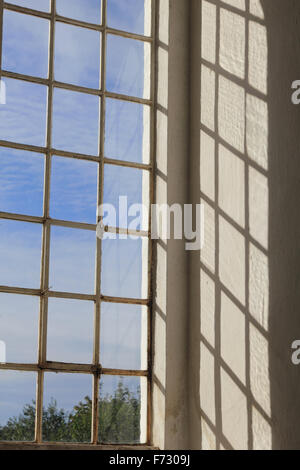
column 20, row 253
column 42, row 5
column 127, row 16
column 84, row 10
column 77, row 55
column 21, row 182
column 74, row 190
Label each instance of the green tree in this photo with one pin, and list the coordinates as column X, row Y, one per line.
column 21, row 428
column 119, row 417
column 119, row 420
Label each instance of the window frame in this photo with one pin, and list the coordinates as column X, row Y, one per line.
column 44, row 293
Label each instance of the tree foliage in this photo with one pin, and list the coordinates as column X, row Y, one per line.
column 119, row 420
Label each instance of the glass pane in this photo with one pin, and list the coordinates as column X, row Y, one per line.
column 132, row 186
column 21, row 182
column 42, row 5
column 20, row 254
column 25, row 44
column 67, row 408
column 72, row 260
column 70, row 331
column 83, row 10
column 122, row 410
column 19, row 317
column 77, row 55
column 127, row 131
column 23, row 118
column 128, row 66
column 73, row 190
column 123, row 343
column 125, row 267
column 133, row 15
column 17, row 405
column 75, row 122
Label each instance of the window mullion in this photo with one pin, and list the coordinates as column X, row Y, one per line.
column 1, row 33
column 151, row 201
column 96, row 385
column 42, row 353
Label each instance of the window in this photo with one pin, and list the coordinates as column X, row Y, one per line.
column 76, row 132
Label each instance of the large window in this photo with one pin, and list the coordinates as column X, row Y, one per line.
column 76, row 132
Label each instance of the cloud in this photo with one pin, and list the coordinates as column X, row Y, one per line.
column 20, row 253
column 42, row 5
column 121, row 329
column 16, row 390
column 74, row 190
column 84, row 10
column 125, row 126
column 23, row 118
column 21, row 182
column 19, row 315
column 123, row 263
column 77, row 55
column 72, row 260
column 70, row 331
column 126, row 68
column 25, row 44
column 75, row 122
column 127, row 16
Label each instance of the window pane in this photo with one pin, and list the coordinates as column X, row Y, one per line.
column 132, row 184
column 123, row 342
column 25, row 44
column 67, row 408
column 23, row 118
column 19, row 316
column 17, row 403
column 128, row 66
column 83, row 10
column 122, row 408
column 72, row 260
column 77, row 55
column 20, row 254
column 133, row 15
column 42, row 5
column 70, row 331
column 75, row 122
column 74, row 190
column 125, row 267
column 127, row 131
column 21, row 182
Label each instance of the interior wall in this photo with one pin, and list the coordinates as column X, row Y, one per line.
column 170, row 296
column 244, row 167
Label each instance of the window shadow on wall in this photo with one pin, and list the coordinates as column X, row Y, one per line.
column 244, row 388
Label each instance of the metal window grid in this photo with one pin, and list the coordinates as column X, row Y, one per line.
column 44, row 292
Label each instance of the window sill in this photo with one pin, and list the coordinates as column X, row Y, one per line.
column 71, row 446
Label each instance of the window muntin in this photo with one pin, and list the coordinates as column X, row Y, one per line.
column 58, row 121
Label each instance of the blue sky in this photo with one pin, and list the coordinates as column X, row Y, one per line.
column 73, row 195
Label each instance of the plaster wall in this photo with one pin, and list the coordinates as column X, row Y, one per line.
column 244, row 289
column 170, row 312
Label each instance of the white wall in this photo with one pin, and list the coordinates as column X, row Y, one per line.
column 170, row 312
column 244, row 167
